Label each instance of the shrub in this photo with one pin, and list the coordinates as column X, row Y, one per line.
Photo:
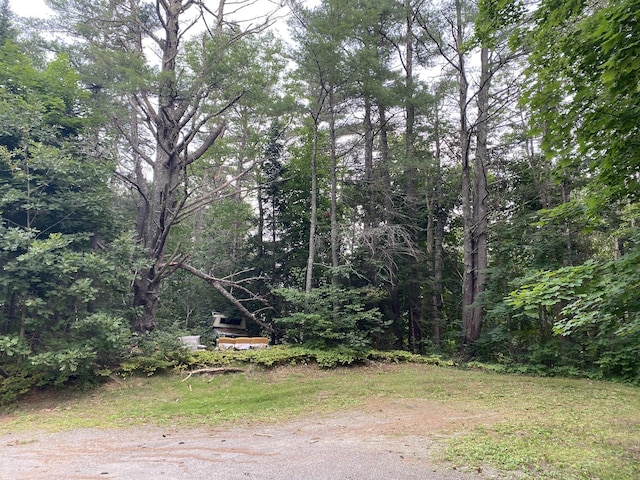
column 330, row 317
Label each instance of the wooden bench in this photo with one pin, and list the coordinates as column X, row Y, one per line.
column 226, row 343
column 242, row 343
column 259, row 342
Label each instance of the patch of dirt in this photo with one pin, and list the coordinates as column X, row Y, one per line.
column 420, row 417
column 382, row 440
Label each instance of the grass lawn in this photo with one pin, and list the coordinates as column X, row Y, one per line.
column 527, row 427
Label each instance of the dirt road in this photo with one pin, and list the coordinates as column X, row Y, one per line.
column 400, row 441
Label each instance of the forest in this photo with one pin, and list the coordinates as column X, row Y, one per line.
column 450, row 177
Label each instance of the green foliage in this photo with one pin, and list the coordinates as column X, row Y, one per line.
column 330, row 317
column 106, row 336
column 583, row 89
column 12, row 346
column 169, row 357
column 155, row 352
column 402, row 356
column 280, row 355
column 55, row 205
column 494, row 16
column 14, row 385
column 583, row 94
column 591, row 293
column 594, row 304
column 65, row 275
column 57, row 367
column 287, row 203
column 147, row 365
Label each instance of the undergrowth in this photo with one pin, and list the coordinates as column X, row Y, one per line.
column 270, row 357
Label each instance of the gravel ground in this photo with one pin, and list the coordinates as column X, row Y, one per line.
column 396, row 442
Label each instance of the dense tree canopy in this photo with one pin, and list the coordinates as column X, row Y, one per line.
column 59, row 307
column 457, row 176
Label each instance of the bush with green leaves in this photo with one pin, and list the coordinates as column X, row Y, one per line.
column 591, row 310
column 330, row 317
column 278, row 355
column 62, row 298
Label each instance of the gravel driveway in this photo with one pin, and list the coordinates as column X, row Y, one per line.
column 398, row 442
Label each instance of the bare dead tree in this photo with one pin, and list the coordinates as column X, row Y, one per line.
column 159, row 61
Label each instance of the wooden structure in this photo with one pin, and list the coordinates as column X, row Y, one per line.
column 242, row 343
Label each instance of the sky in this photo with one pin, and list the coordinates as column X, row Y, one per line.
column 38, row 8
column 29, row 8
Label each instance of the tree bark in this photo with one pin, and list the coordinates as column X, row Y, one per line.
column 314, row 208
column 475, row 211
column 370, row 200
column 413, row 285
column 468, row 276
column 166, row 172
column 335, row 247
column 437, row 241
column 389, row 219
column 480, row 200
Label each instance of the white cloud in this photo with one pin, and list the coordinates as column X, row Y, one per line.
column 29, row 8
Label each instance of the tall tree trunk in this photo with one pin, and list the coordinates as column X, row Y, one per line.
column 142, row 194
column 437, row 320
column 468, row 275
column 335, row 247
column 413, row 285
column 314, row 209
column 370, row 219
column 176, row 111
column 566, row 197
column 166, row 174
column 261, row 219
column 475, row 207
column 385, row 172
column 480, row 200
column 438, row 240
column 171, row 159
column 389, row 219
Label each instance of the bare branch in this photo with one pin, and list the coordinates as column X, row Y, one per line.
column 206, row 145
column 213, row 370
column 220, row 285
column 133, row 184
column 209, row 197
column 134, row 146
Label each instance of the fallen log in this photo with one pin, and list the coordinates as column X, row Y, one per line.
column 200, row 371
